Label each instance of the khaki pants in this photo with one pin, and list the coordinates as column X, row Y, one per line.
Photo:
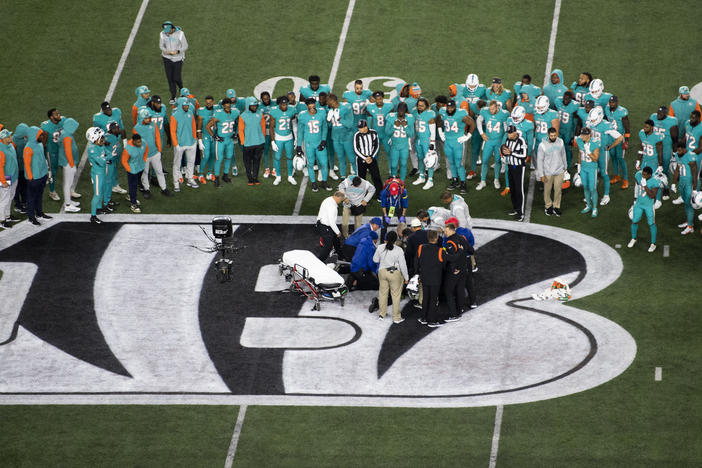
column 555, row 181
column 390, row 282
column 345, row 216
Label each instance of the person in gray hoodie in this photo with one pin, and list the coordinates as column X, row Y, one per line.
column 550, row 169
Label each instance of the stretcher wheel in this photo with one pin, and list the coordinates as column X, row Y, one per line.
column 341, row 302
column 317, row 306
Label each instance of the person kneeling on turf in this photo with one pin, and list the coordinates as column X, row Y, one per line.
column 364, row 270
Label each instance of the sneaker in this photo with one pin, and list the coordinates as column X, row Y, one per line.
column 481, row 185
column 135, row 209
column 615, row 179
column 657, row 204
column 147, row 194
column 699, row 217
column 604, row 200
column 585, row 210
column 274, row 173
column 513, row 213
column 325, row 186
column 235, row 171
column 434, row 324
column 176, row 187
column 428, row 185
column 374, row 305
column 315, row 187
column 74, row 203
column 95, row 220
column 75, row 195
column 380, row 317
column 651, row 248
column 292, row 180
column 416, row 304
column 625, row 184
column 203, row 180
column 333, row 175
column 108, row 209
column 118, row 189
column 166, row 193
column 6, row 224
column 226, row 178
column 666, row 197
column 678, row 201
column 20, row 210
column 210, row 177
column 474, row 306
column 112, row 203
column 34, row 221
column 631, row 243
column 520, row 218
column 420, row 180
column 557, row 211
column 277, row 180
column 470, row 175
column 687, row 230
column 13, row 219
column 44, row 216
column 55, row 196
column 402, row 319
column 496, row 183
column 463, row 188
column 548, row 211
column 454, row 185
column 594, row 213
column 454, row 318
column 682, row 225
column 192, row 184
column 422, row 321
column 250, row 183
column 505, row 192
column 72, row 209
column 266, row 173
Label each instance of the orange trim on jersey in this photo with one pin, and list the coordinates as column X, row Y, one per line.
column 419, row 250
column 441, row 255
column 158, row 139
column 529, row 117
column 453, row 91
column 174, row 130
column 3, row 180
column 146, row 151
column 697, row 108
column 671, row 111
column 135, row 114
column 263, row 124
column 194, row 128
column 465, row 105
column 68, row 149
column 125, row 158
column 242, row 126
column 28, row 153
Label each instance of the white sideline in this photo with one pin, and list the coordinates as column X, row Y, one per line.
column 552, row 41
column 235, row 437
column 496, row 436
column 332, row 78
column 111, row 89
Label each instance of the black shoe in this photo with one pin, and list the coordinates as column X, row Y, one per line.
column 147, row 194
column 416, row 305
column 513, row 213
column 45, row 216
column 34, row 221
column 112, row 203
column 100, row 211
column 95, row 220
column 474, row 306
column 454, row 185
column 413, row 172
column 13, row 219
column 374, row 305
column 167, row 193
column 107, row 209
column 6, row 224
column 217, row 183
column 463, row 189
column 422, row 321
column 520, row 218
column 315, row 188
column 434, row 324
column 20, row 209
column 226, row 178
column 557, row 211
column 454, row 318
column 325, row 186
column 548, row 211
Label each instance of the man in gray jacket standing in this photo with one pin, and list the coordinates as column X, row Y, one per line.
column 173, row 45
column 550, row 169
column 358, row 193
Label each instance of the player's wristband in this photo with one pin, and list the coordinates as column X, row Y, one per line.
column 199, row 131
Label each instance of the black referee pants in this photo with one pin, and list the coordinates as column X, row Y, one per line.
column 363, row 169
column 430, row 303
column 454, row 291
column 516, row 186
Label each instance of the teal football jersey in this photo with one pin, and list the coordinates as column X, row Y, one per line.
column 379, row 115
column 453, row 124
column 586, row 149
column 358, row 102
column 206, row 115
column 283, row 120
column 103, row 120
column 662, row 127
column 495, row 124
column 580, row 92
column 542, row 122
column 692, row 135
column 642, row 197
column 501, row 98
column 615, row 117
column 422, row 124
column 226, row 122
column 400, row 136
column 308, row 92
column 525, row 129
column 684, row 163
column 566, row 113
column 312, row 129
column 649, row 145
column 54, row 132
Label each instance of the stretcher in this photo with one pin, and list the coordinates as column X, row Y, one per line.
column 312, row 278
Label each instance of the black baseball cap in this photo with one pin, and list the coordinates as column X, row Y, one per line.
column 663, row 109
column 156, row 99
column 451, row 102
column 497, row 80
column 614, row 98
column 362, row 123
column 590, row 101
column 511, row 129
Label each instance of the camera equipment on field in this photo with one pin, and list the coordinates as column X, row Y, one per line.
column 224, row 242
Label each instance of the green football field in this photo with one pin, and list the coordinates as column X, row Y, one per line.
column 64, row 55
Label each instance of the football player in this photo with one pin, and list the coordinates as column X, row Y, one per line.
column 407, row 93
column 682, row 107
column 205, row 142
column 426, row 141
column 113, row 149
column 581, row 87
column 597, row 94
column 313, row 89
column 455, row 128
column 499, row 94
column 525, row 129
column 618, row 116
column 693, row 133
column 102, row 120
column 265, row 105
column 685, row 179
column 495, row 120
column 143, row 94
column 544, row 118
column 281, row 129
column 608, row 138
column 567, row 107
column 400, row 128
column 651, row 153
column 589, row 151
column 52, row 127
column 474, row 92
column 341, row 119
column 222, row 128
column 312, row 131
column 644, row 196
column 359, row 99
column 555, row 89
column 667, row 126
column 98, row 161
column 526, row 87
column 378, row 110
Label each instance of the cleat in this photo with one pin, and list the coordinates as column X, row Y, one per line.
column 176, row 187
column 687, row 230
column 203, row 180
column 699, row 217
column 315, row 187
column 74, row 203
column 454, row 185
column 585, row 210
column 505, row 192
column 604, row 200
column 625, row 184
column 325, row 186
column 266, row 173
column 333, row 175
column 651, row 248
column 682, row 225
column 6, row 224
column 631, row 243
column 112, row 203
column 95, row 220
column 192, row 184
column 277, row 180
column 166, row 193
column 481, row 185
column 217, row 183
column 594, row 213
column 44, row 216
column 210, row 177
column 496, row 183
column 657, row 204
column 292, row 180
column 226, row 178
column 118, row 189
column 72, row 209
column 75, row 195
column 470, row 175
column 250, row 183
column 666, row 197
column 615, row 180
column 678, row 201
column 478, row 162
column 135, row 209
column 413, row 172
column 274, row 173
column 12, row 219
column 55, row 196
column 20, row 210
column 420, row 180
column 463, row 188
column 502, row 169
column 256, row 182
column 428, row 185
column 235, row 171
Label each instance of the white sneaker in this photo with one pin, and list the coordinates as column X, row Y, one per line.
column 54, row 196
column 72, row 209
column 352, row 172
column 657, row 204
column 192, row 184
column 75, row 203
column 118, row 189
column 666, row 197
column 479, row 162
column 678, row 201
column 176, row 187
column 333, row 175
column 604, row 200
column 682, row 225
column 292, row 180
column 481, row 185
column 428, row 185
column 699, row 217
column 315, row 167
column 651, row 248
column 631, row 243
column 496, row 183
column 336, row 168
column 277, row 180
column 420, row 180
column 687, row 230
column 75, row 195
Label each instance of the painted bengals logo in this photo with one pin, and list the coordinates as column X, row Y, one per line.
column 135, row 311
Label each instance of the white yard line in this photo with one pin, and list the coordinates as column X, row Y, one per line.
column 658, row 374
column 235, row 437
column 332, row 78
column 496, row 436
column 530, row 197
column 111, row 89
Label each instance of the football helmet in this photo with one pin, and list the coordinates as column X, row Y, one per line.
column 93, row 134
column 595, row 117
column 144, row 114
column 472, row 82
column 566, row 181
column 577, row 181
column 631, row 212
column 518, row 114
column 431, row 159
column 663, row 179
column 596, row 88
column 413, row 287
column 697, row 200
column 299, row 163
column 542, row 104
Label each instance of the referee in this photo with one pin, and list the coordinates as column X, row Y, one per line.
column 366, row 145
column 514, row 154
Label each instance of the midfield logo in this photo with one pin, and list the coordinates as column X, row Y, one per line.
column 130, row 311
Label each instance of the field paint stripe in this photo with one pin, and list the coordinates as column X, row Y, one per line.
column 666, row 251
column 235, row 437
column 342, row 41
column 552, row 41
column 530, row 197
column 496, row 436
column 658, row 374
column 332, row 78
column 111, row 89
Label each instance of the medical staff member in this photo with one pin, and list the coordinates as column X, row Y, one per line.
column 173, row 45
column 393, row 202
column 329, row 233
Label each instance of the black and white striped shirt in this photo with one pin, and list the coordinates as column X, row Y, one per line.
column 518, row 148
column 366, row 144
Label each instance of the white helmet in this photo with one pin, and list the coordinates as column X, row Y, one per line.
column 431, row 160
column 663, row 179
column 577, row 181
column 413, row 287
column 299, row 163
column 631, row 212
column 518, row 114
column 472, row 82
column 697, row 200
column 595, row 116
column 93, row 134
column 542, row 104
column 596, row 88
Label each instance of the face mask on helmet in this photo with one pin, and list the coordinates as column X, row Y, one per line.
column 596, row 88
column 472, row 82
column 542, row 103
column 518, row 114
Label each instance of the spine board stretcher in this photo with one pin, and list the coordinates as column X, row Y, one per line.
column 311, row 277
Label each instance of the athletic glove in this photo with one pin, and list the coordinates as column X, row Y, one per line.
column 638, row 165
column 402, row 219
column 659, row 170
column 431, row 147
column 322, row 145
column 441, row 134
column 386, row 219
column 464, row 138
column 201, row 145
column 124, row 142
column 674, row 188
column 643, row 182
column 274, row 146
column 299, row 151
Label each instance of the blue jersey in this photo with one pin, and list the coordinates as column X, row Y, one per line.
column 226, row 122
column 379, row 115
column 399, row 135
column 283, row 122
column 650, row 151
column 692, row 135
column 159, row 118
column 54, row 132
column 422, row 124
column 566, row 113
column 662, row 127
column 605, row 134
column 525, row 129
column 586, row 149
column 358, row 102
column 97, row 156
column 474, row 96
column 501, row 98
column 341, row 122
column 312, row 128
column 642, row 199
column 615, row 117
column 685, row 166
column 580, row 92
column 602, row 101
